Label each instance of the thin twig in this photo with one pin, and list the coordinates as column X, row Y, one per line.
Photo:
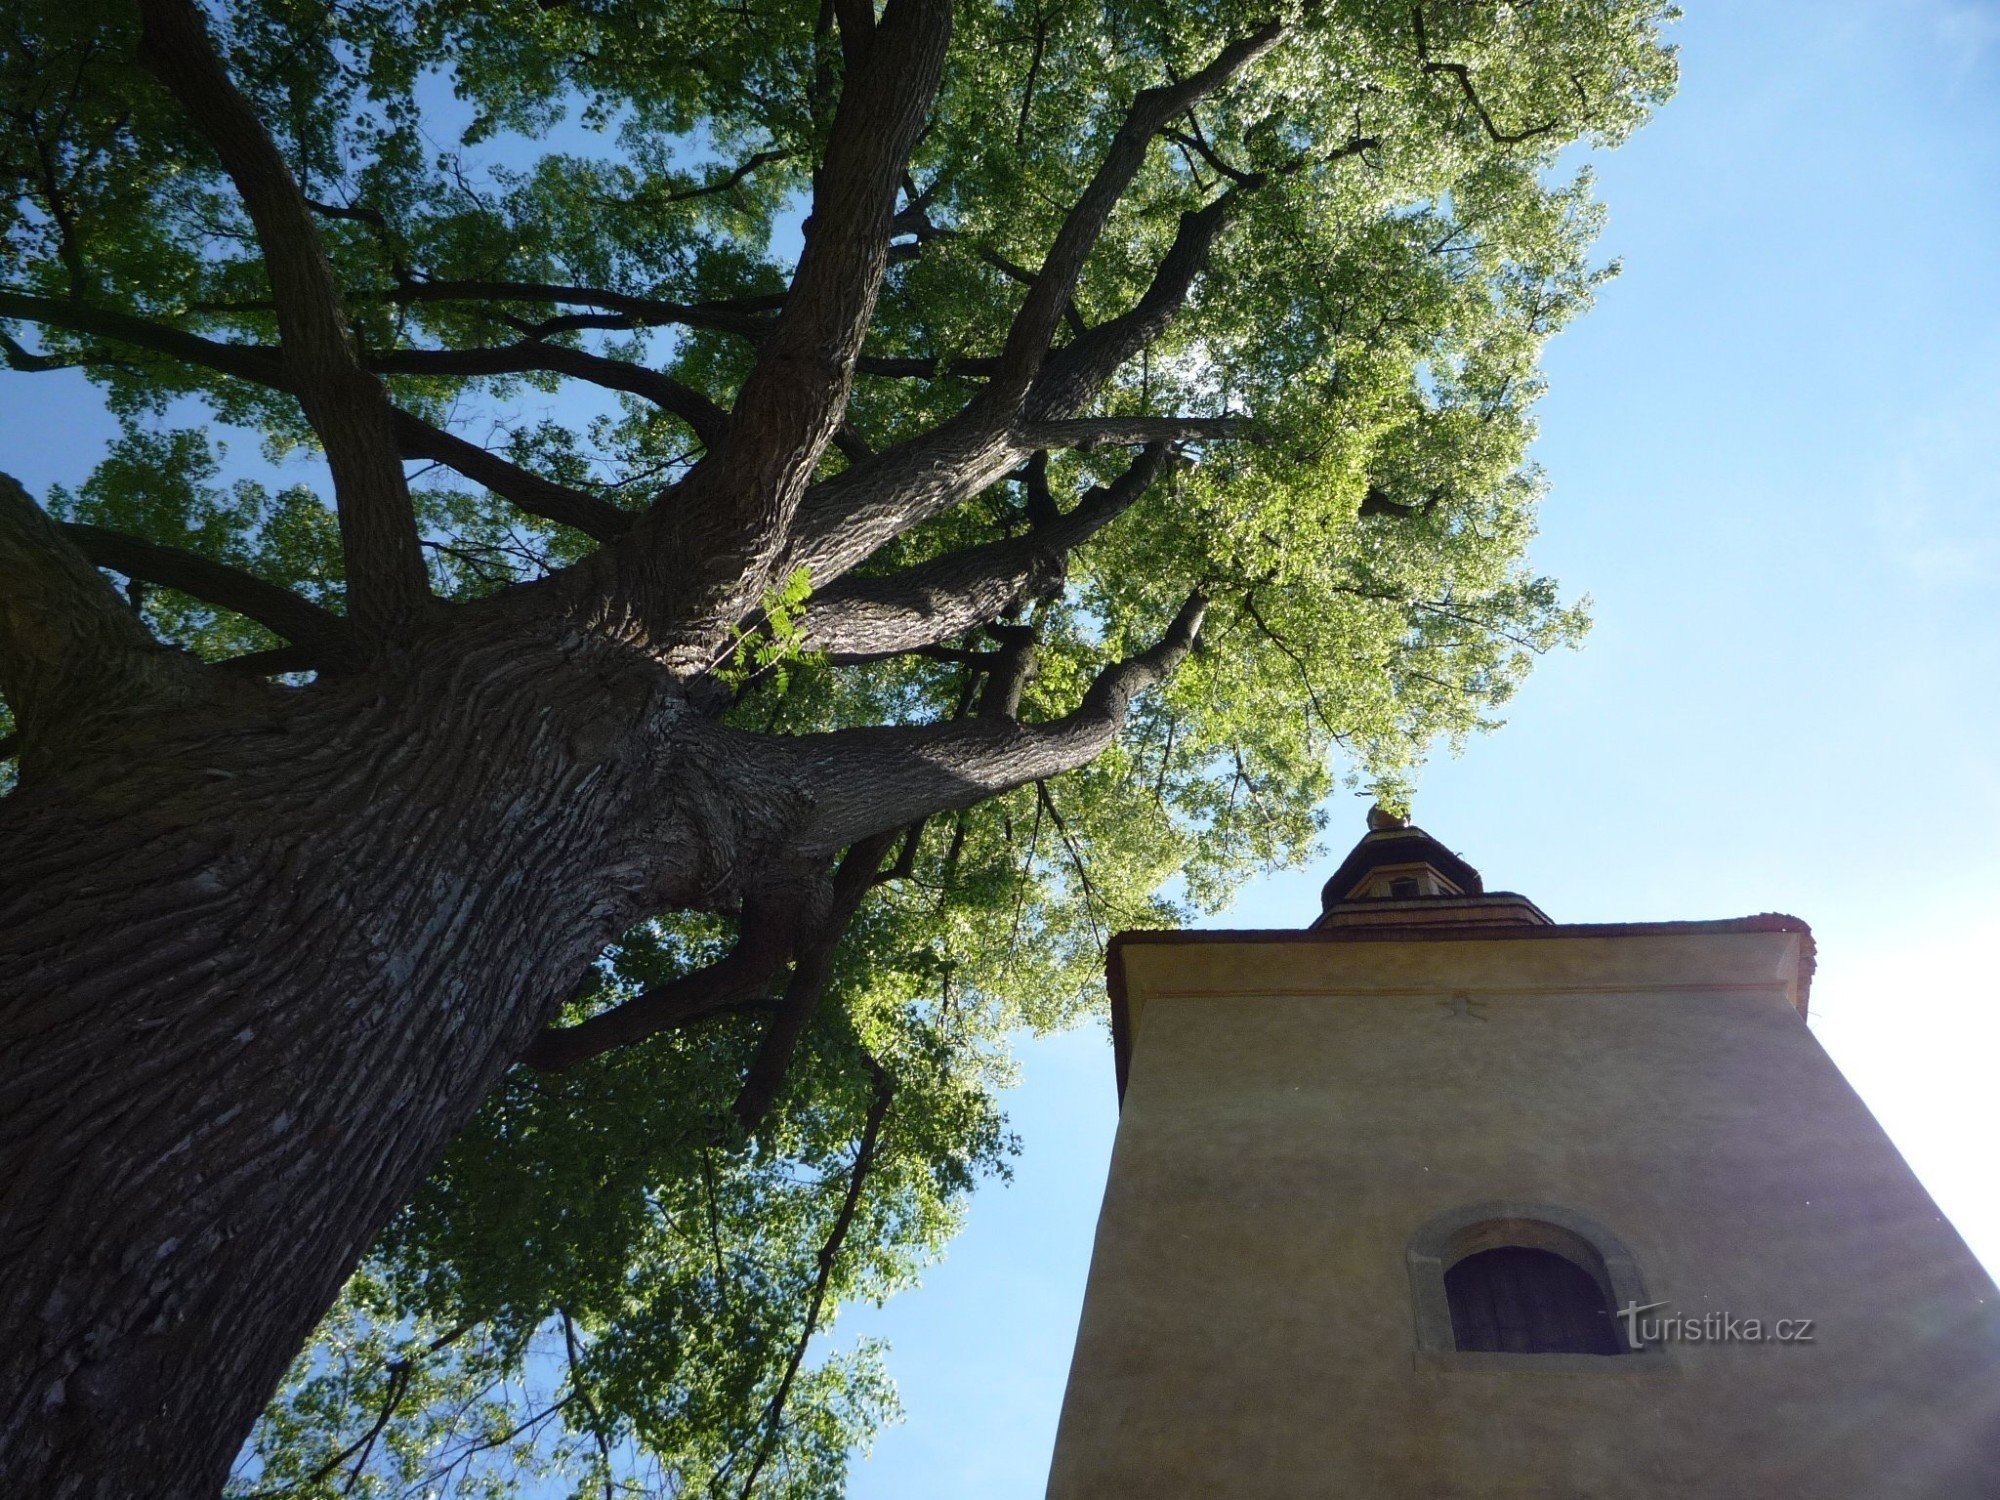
column 829, row 1254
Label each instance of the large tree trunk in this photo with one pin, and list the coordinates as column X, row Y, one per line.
column 254, row 975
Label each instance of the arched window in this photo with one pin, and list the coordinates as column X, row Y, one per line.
column 1515, row 1299
column 1513, row 1281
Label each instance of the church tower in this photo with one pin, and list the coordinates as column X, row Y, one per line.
column 1441, row 1199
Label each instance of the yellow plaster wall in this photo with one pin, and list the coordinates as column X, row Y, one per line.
column 1294, row 1113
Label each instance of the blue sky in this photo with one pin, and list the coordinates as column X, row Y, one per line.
column 1772, row 447
column 1772, row 455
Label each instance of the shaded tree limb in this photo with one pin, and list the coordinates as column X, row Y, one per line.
column 68, row 644
column 857, row 29
column 852, row 445
column 844, row 519
column 703, row 416
column 520, row 487
column 869, row 779
column 1007, row 675
column 252, row 362
column 849, row 517
column 865, row 618
column 1035, row 324
column 861, row 620
column 1377, row 503
column 749, row 317
column 1035, row 493
column 270, row 663
column 705, row 559
column 1075, row 373
column 812, row 969
column 21, row 358
column 905, row 864
column 415, row 438
column 747, row 972
column 387, row 583
column 327, row 641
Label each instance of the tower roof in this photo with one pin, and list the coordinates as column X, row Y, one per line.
column 1400, row 873
column 1392, row 840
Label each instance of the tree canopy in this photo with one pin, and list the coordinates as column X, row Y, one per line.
column 1196, row 398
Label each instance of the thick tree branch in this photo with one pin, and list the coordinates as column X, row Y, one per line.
column 249, row 362
column 704, row 417
column 924, row 367
column 1009, row 672
column 415, row 438
column 518, row 486
column 329, row 641
column 849, row 517
column 857, row 29
column 68, row 643
column 845, row 519
column 748, row 317
column 705, row 558
column 904, row 865
column 1074, row 374
column 859, row 619
column 812, row 969
column 1039, row 499
column 1035, row 325
column 1377, row 503
column 747, row 972
column 270, row 663
column 386, row 580
column 869, row 780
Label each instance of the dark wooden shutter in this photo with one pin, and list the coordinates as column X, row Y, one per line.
column 1514, row 1300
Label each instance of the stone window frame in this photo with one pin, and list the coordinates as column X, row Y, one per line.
column 1447, row 1238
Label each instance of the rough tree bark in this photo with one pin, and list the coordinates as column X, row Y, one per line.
column 264, row 950
column 258, row 968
